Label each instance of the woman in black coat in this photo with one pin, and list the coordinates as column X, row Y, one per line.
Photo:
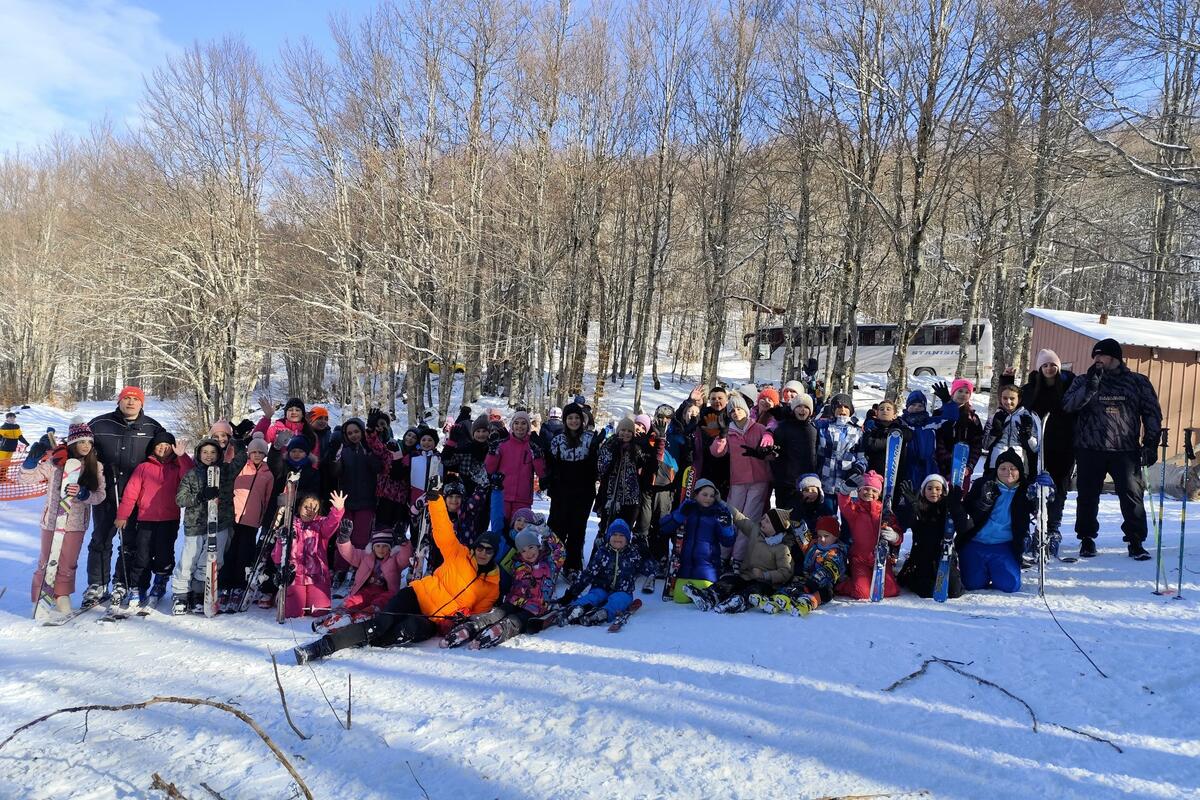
column 1043, row 394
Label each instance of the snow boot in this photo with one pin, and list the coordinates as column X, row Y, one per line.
column 782, row 603
column 801, row 606
column 1137, row 552
column 120, row 596
column 648, row 586
column 195, row 602
column 93, row 595
column 701, row 597
column 489, row 637
column 313, row 651
column 179, row 604
column 1087, row 548
column 235, row 600
column 575, row 614
column 159, row 587
column 63, row 604
column 733, row 605
column 143, row 598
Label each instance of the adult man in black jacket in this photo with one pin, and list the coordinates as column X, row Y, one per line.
column 122, row 440
column 1113, row 406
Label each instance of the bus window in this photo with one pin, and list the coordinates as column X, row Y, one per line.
column 947, row 334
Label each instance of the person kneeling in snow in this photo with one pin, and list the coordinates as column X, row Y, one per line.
column 539, row 560
column 992, row 524
column 862, row 518
column 377, row 570
column 762, row 562
column 924, row 513
column 467, row 582
column 610, row 573
column 823, row 563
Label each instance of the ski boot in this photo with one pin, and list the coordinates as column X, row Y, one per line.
column 93, row 595
column 782, row 603
column 159, row 587
column 701, row 597
column 763, row 603
column 597, row 616
column 489, row 637
column 143, row 599
column 179, row 605
column 313, row 651
column 573, row 616
column 458, row 636
column 1087, row 548
column 648, row 586
column 236, row 596
column 119, row 599
column 733, row 605
column 195, row 602
column 801, row 606
column 63, row 604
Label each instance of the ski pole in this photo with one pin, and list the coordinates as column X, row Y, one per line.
column 1189, row 455
column 1160, row 576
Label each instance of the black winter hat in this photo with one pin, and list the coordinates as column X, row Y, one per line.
column 1012, row 457
column 490, row 538
column 841, row 399
column 294, row 402
column 574, row 408
column 1108, row 347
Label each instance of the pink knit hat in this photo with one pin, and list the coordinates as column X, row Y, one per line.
column 873, row 480
column 643, row 420
column 79, row 431
column 1045, row 357
column 221, row 426
column 962, row 383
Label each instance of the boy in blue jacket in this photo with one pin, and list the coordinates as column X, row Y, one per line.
column 704, row 533
column 610, row 573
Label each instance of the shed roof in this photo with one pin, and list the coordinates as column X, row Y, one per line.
column 1126, row 330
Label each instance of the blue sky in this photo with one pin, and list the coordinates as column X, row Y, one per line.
column 67, row 64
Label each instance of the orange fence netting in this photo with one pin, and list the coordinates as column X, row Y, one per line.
column 9, row 488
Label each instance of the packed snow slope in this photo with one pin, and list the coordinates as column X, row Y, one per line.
column 678, row 704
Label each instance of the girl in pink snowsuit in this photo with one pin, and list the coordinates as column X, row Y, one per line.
column 517, row 458
column 377, row 569
column 309, row 590
column 749, row 446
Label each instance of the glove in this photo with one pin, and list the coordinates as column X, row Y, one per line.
column 1045, row 480
column 752, row 452
column 209, row 493
column 906, row 491
column 496, row 479
column 1093, row 375
column 58, row 456
column 1025, row 429
column 393, row 445
column 432, row 494
column 854, row 480
column 35, row 454
column 889, row 535
column 344, row 530
column 941, row 391
column 688, row 505
column 1149, row 456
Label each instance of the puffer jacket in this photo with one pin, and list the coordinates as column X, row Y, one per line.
column 620, row 469
column 873, row 445
column 364, row 562
column 571, row 465
column 310, row 546
column 671, row 454
column 744, row 468
column 388, row 483
column 195, row 510
column 152, row 488
column 967, row 428
column 707, row 531
column 797, row 443
column 457, row 585
column 755, row 551
column 357, row 472
column 921, row 447
column 613, row 570
column 1123, row 415
column 79, row 513
column 837, row 447
column 823, row 567
column 973, row 512
column 533, row 584
column 121, row 444
column 1006, row 431
column 862, row 520
column 518, row 460
column 252, row 494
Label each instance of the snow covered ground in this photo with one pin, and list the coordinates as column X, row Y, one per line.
column 679, row 704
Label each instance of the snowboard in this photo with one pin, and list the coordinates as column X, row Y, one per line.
column 44, row 607
column 882, row 549
column 958, row 475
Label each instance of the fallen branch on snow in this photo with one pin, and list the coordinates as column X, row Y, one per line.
column 283, row 700
column 157, row 782
column 886, row 796
column 186, row 701
column 955, row 666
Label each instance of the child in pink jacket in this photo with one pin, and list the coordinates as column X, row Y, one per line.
column 749, row 446
column 862, row 518
column 378, row 568
column 518, row 458
column 308, row 589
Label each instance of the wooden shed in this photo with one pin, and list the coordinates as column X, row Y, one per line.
column 1166, row 352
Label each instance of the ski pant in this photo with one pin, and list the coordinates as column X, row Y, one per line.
column 306, row 599
column 858, row 585
column 511, row 621
column 239, row 557
column 919, row 572
column 1125, row 469
column 613, row 603
column 189, row 570
column 817, row 592
column 99, row 553
column 1061, row 475
column 363, row 522
column 146, row 548
column 5, row 458
column 568, row 518
column 729, row 585
column 656, row 504
column 990, row 566
column 68, row 562
column 750, row 499
column 400, row 622
column 367, row 598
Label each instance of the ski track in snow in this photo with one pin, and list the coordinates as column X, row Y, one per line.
column 678, row 704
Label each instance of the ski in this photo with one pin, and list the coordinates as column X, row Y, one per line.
column 624, row 616
column 115, row 613
column 882, row 549
column 44, row 607
column 1189, row 455
column 289, row 536
column 210, row 547
column 424, row 540
column 143, row 610
column 265, row 547
column 62, row 619
column 958, row 476
column 1043, row 540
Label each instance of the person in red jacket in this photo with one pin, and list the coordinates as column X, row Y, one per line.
column 518, row 458
column 148, row 545
column 862, row 518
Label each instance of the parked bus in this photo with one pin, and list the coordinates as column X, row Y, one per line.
column 933, row 352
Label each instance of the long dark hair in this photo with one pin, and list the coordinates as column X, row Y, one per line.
column 89, row 476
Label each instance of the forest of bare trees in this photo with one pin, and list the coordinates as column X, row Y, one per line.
column 537, row 191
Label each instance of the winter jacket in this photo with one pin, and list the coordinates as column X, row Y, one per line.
column 862, row 520
column 466, row 521
column 424, row 466
column 754, row 551
column 809, row 513
column 837, row 446
column 706, row 532
column 365, row 563
column 873, row 446
column 967, row 428
column 928, row 525
column 1017, row 431
column 151, row 489
column 310, row 477
column 518, row 460
column 310, row 547
column 533, row 584
column 921, row 447
column 744, row 468
column 79, row 512
column 571, row 465
column 466, row 460
column 1046, row 401
column 620, row 468
column 972, row 513
column 187, row 497
column 356, row 472
column 252, row 494
column 122, row 445
column 797, row 443
column 457, row 585
column 388, row 484
column 707, row 465
column 10, row 434
column 822, row 568
column 613, row 570
column 1121, row 416
column 671, row 455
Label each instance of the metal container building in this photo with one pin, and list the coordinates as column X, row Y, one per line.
column 1166, row 352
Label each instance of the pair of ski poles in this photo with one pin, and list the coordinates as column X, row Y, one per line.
column 1161, row 586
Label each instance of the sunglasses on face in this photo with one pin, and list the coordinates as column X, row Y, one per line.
column 486, row 548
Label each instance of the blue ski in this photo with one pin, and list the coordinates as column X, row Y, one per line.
column 958, row 475
column 882, row 549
